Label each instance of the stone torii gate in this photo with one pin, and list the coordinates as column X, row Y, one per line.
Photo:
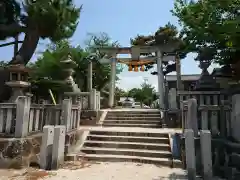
column 135, row 52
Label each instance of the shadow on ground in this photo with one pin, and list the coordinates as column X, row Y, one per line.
column 173, row 176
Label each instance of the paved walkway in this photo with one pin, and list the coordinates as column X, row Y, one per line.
column 98, row 171
column 132, row 129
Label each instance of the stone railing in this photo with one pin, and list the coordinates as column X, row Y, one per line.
column 23, row 118
column 90, row 100
column 215, row 122
column 210, row 156
column 7, row 117
column 216, row 118
column 203, row 97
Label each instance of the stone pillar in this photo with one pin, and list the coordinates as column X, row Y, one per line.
column 90, row 78
column 98, row 100
column 178, row 71
column 192, row 122
column 90, row 73
column 160, row 80
column 22, row 116
column 66, row 113
column 235, row 116
column 112, row 83
column 46, row 148
column 93, row 102
column 206, row 154
column 172, row 98
column 58, row 146
column 190, row 154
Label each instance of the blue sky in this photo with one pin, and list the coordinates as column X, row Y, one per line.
column 122, row 20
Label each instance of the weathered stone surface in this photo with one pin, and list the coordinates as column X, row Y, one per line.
column 90, row 118
column 13, row 149
column 22, row 152
column 19, row 152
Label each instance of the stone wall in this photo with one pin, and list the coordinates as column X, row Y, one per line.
column 24, row 152
column 19, row 152
column 90, row 118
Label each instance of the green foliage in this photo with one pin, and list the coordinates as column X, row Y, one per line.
column 3, row 64
column 211, row 28
column 164, row 35
column 48, row 67
column 101, row 40
column 145, row 94
column 9, row 14
column 54, row 19
column 120, row 93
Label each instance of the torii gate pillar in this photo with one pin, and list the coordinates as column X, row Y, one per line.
column 161, row 88
column 112, row 83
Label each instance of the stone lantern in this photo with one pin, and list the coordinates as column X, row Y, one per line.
column 68, row 65
column 206, row 81
column 68, row 70
column 18, row 80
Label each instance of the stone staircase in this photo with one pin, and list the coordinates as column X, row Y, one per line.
column 123, row 144
column 143, row 119
column 128, row 136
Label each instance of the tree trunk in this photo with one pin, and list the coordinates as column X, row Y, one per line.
column 28, row 47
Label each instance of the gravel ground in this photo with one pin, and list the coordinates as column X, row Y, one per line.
column 98, row 171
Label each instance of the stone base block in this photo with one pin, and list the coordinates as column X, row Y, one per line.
column 19, row 152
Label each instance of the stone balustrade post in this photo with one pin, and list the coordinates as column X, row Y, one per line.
column 206, row 153
column 22, row 116
column 98, row 100
column 46, row 147
column 192, row 122
column 93, row 104
column 78, row 114
column 235, row 116
column 66, row 113
column 58, row 146
column 172, row 98
column 190, row 153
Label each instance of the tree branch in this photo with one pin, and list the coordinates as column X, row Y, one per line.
column 10, row 43
column 15, row 27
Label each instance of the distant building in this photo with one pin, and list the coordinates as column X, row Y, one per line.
column 188, row 81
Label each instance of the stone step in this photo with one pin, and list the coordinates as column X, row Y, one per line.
column 127, row 152
column 147, row 133
column 124, row 158
column 132, row 114
column 142, row 139
column 131, row 125
column 133, row 118
column 131, row 145
column 129, row 121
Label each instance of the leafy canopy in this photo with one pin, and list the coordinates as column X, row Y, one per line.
column 54, row 19
column 211, row 28
column 48, row 66
column 145, row 94
column 163, row 36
